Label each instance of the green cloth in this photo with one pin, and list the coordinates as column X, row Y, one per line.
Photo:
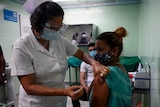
column 130, row 63
column 120, row 90
column 74, row 62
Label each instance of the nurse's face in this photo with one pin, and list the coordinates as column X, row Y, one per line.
column 56, row 23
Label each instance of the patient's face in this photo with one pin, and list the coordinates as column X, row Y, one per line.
column 102, row 47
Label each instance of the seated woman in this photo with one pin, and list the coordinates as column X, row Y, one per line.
column 114, row 89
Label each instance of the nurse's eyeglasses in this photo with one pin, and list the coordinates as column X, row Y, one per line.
column 54, row 28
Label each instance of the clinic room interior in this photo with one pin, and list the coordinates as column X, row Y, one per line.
column 141, row 47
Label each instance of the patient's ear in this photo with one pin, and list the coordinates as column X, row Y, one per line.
column 115, row 51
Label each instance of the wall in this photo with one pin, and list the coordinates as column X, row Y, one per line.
column 9, row 30
column 149, row 45
column 108, row 18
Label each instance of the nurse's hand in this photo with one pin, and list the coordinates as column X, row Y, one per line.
column 75, row 92
column 100, row 69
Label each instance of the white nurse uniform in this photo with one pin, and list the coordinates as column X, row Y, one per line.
column 49, row 67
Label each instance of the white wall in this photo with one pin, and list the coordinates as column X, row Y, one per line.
column 149, row 44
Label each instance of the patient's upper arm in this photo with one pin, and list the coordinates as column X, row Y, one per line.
column 100, row 92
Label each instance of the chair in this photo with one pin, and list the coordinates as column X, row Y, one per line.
column 3, row 81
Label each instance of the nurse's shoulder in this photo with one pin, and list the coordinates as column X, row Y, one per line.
column 22, row 41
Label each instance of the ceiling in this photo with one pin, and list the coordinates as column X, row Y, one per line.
column 88, row 3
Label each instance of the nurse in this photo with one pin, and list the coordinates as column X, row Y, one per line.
column 39, row 60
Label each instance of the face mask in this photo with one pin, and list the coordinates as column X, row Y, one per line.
column 50, row 34
column 103, row 58
column 92, row 53
column 84, row 36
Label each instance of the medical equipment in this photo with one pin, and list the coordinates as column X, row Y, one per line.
column 142, row 80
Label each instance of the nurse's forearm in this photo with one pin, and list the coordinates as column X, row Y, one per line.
column 45, row 91
column 31, row 88
column 97, row 67
column 85, row 57
column 74, row 92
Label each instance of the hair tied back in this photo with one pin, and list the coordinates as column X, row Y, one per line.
column 121, row 32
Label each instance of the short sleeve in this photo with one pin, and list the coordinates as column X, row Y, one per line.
column 21, row 63
column 70, row 48
column 83, row 67
column 117, row 78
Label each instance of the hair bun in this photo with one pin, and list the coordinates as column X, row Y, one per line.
column 121, row 32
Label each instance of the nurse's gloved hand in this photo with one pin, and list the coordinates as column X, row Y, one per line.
column 75, row 92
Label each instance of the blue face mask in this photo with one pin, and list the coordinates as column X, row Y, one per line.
column 50, row 34
column 92, row 53
column 103, row 58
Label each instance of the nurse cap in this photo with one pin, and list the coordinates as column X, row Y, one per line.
column 31, row 5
